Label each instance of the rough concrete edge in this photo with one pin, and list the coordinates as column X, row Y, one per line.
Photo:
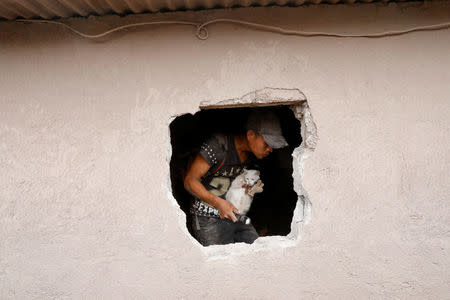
column 168, row 187
column 302, row 212
column 267, row 96
column 303, row 209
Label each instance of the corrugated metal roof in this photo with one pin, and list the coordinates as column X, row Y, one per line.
column 50, row 9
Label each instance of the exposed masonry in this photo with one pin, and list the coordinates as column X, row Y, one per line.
column 262, row 97
column 302, row 213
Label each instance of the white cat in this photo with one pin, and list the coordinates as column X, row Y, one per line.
column 242, row 190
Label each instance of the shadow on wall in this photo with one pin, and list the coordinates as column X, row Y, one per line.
column 272, row 210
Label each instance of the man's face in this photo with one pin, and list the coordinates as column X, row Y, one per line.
column 257, row 145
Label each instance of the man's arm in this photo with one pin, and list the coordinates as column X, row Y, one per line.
column 192, row 184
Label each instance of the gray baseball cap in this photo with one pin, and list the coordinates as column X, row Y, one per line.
column 267, row 124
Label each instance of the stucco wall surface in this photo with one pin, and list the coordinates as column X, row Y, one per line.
column 85, row 208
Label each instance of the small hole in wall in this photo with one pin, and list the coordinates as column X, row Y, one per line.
column 272, row 210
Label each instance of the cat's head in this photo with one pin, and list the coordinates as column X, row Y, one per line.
column 251, row 177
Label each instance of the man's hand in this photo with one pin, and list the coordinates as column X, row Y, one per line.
column 193, row 185
column 227, row 210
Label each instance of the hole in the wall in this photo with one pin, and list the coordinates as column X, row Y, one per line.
column 281, row 206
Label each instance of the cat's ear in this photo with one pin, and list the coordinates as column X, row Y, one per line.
column 245, row 171
column 257, row 172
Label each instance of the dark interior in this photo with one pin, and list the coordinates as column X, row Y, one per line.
column 271, row 211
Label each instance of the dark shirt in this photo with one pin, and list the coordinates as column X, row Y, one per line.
column 225, row 165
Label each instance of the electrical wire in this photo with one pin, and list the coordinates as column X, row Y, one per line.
column 202, row 32
column 311, row 33
column 95, row 36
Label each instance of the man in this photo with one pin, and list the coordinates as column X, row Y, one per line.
column 220, row 160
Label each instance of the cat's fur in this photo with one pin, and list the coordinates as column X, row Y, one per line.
column 240, row 193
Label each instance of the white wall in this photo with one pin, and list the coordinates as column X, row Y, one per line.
column 85, row 210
